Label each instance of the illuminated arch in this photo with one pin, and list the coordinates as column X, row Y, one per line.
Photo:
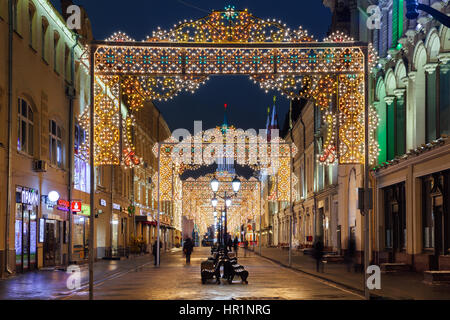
column 230, row 42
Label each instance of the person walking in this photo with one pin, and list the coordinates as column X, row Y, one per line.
column 229, row 243
column 349, row 256
column 236, row 246
column 318, row 254
column 188, row 248
column 245, row 247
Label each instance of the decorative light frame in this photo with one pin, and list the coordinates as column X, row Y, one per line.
column 231, row 42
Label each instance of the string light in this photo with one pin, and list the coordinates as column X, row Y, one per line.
column 162, row 71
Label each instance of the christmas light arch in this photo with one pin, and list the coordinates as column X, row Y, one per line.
column 231, row 42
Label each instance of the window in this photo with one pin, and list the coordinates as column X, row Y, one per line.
column 55, row 51
column 25, row 127
column 15, row 15
column 55, row 141
column 67, row 62
column 99, row 176
column 435, row 218
column 81, row 167
column 395, row 217
column 43, row 38
column 437, row 102
column 31, row 14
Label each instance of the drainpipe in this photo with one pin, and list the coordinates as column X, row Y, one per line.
column 71, row 95
column 10, row 102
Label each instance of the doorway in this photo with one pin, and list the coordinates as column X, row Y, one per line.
column 52, row 243
column 395, row 221
column 25, row 237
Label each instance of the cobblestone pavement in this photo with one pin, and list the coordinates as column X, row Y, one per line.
column 175, row 280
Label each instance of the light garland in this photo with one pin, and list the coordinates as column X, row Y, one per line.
column 183, row 58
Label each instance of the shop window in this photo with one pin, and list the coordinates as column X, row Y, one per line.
column 435, row 215
column 395, row 217
column 81, row 167
column 438, row 102
column 55, row 141
column 25, row 127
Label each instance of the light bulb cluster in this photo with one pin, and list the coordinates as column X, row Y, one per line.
column 107, row 120
column 197, row 194
column 130, row 159
column 161, row 71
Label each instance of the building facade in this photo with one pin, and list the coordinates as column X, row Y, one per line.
column 410, row 90
column 44, row 93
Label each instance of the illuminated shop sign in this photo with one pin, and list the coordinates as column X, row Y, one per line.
column 63, row 205
column 85, row 210
column 103, row 202
column 117, row 206
column 30, row 197
column 76, row 206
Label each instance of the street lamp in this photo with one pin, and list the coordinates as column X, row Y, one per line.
column 215, row 185
column 236, row 186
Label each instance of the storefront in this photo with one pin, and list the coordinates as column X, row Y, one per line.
column 115, row 221
column 27, row 203
column 82, row 213
column 395, row 223
column 436, row 219
column 55, row 230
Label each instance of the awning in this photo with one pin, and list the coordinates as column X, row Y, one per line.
column 144, row 219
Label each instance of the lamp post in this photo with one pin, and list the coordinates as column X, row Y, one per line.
column 413, row 7
column 236, row 186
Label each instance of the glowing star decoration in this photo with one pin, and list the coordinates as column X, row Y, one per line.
column 230, row 12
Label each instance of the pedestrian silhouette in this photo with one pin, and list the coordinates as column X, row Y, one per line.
column 350, row 254
column 188, row 248
column 318, row 254
column 236, row 245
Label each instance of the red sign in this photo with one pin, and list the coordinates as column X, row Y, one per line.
column 63, row 205
column 76, row 206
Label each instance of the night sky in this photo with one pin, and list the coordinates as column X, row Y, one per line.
column 247, row 102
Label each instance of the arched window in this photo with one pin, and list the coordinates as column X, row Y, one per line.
column 25, row 127
column 67, row 62
column 55, row 51
column 55, row 144
column 15, row 8
column 44, row 38
column 438, row 102
column 31, row 19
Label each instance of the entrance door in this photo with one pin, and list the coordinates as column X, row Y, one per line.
column 115, row 235
column 438, row 237
column 50, row 243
